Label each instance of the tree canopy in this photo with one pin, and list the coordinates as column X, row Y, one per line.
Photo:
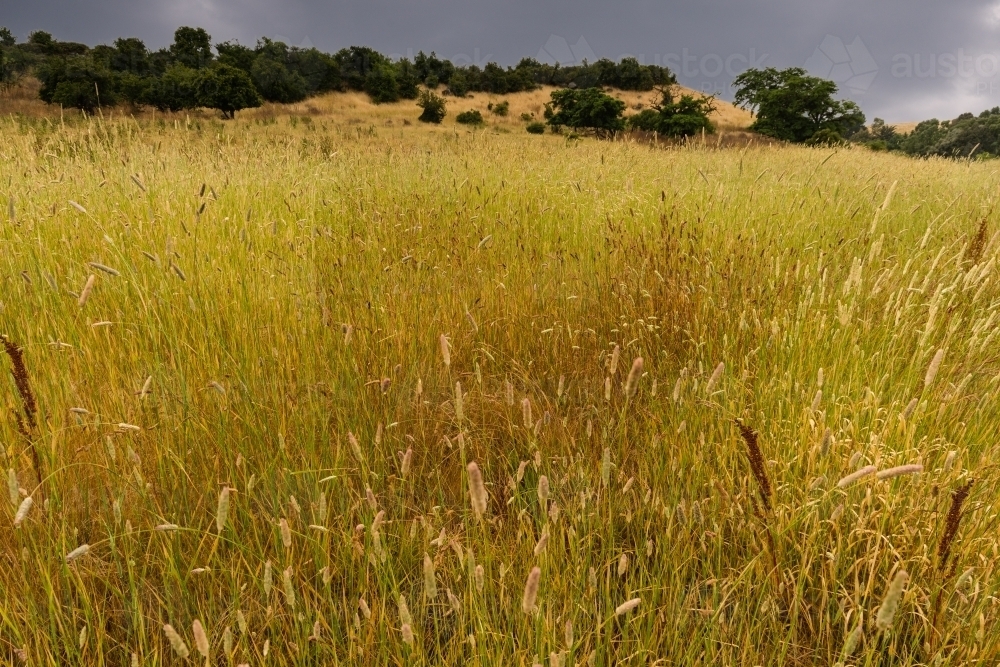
column 793, row 106
column 588, row 108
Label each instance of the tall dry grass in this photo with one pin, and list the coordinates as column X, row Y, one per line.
column 251, row 446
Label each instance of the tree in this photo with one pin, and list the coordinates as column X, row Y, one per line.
column 236, row 55
column 381, row 84
column 793, row 106
column 176, row 90
column 130, row 55
column 228, row 89
column 685, row 117
column 276, row 83
column 192, row 47
column 589, row 108
column 433, row 107
column 76, row 81
column 7, row 38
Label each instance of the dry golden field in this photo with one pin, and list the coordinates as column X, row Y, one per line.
column 311, row 388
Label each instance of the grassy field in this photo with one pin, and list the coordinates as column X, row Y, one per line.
column 264, row 355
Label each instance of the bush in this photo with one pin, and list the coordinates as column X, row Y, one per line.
column 536, row 128
column 472, row 117
column 588, row 108
column 227, row 89
column 177, row 89
column 825, row 137
column 500, row 108
column 527, row 117
column 647, row 120
column 433, row 107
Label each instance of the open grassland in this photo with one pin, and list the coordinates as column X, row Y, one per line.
column 262, row 357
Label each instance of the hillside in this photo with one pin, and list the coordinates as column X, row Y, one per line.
column 357, row 108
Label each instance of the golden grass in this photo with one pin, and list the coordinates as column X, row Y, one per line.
column 266, row 317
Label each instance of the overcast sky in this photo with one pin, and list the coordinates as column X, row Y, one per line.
column 900, row 61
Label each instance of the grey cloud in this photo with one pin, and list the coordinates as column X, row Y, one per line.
column 862, row 45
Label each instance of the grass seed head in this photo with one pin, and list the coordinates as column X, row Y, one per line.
column 445, row 350
column 934, row 367
column 22, row 510
column 714, row 380
column 628, row 606
column 848, row 480
column 176, row 642
column 79, row 552
column 531, row 591
column 430, row 585
column 477, row 490
column 634, row 375
column 886, row 613
column 222, row 510
column 200, row 638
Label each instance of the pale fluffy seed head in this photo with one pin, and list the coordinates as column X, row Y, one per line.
column 430, row 585
column 365, row 609
column 606, row 467
column 886, row 613
column 543, row 489
column 459, row 402
column 477, row 490
column 404, row 467
column 176, row 642
column 908, row 469
column 407, row 632
column 79, row 552
column 404, row 611
column 526, row 413
column 934, row 367
column 22, row 510
column 445, row 350
column 286, row 533
column 531, row 590
column 628, row 606
column 286, row 580
column 847, row 480
column 222, row 510
column 853, row 639
column 613, row 365
column 200, row 638
column 632, row 383
column 542, row 543
column 716, row 376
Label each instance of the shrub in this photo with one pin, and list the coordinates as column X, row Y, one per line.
column 536, row 128
column 588, row 108
column 433, row 107
column 500, row 108
column 472, row 117
column 825, row 137
column 527, row 117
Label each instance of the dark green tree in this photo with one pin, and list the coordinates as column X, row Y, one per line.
column 130, row 55
column 381, row 84
column 407, row 79
column 176, row 90
column 192, row 47
column 226, row 88
column 7, row 38
column 793, row 106
column 236, row 55
column 276, row 83
column 684, row 117
column 76, row 81
column 433, row 106
column 355, row 63
column 589, row 109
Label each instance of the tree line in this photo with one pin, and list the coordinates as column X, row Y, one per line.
column 231, row 76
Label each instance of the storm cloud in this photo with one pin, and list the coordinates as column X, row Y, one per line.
column 899, row 61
